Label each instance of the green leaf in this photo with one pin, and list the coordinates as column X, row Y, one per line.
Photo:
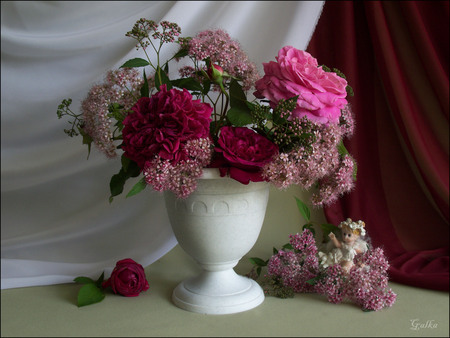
column 288, row 246
column 258, row 271
column 327, row 228
column 133, row 63
column 237, row 96
column 83, row 280
column 310, row 227
column 341, row 149
column 240, row 112
column 162, row 78
column 206, row 87
column 314, row 280
column 188, row 83
column 90, row 294
column 145, row 89
column 100, row 279
column 304, row 210
column 87, row 139
column 125, row 162
column 181, row 53
column 138, row 187
column 116, row 183
column 257, row 261
column 239, row 117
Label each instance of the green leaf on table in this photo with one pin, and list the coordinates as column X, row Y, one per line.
column 90, row 294
column 304, row 210
column 136, row 62
column 100, row 279
column 83, row 280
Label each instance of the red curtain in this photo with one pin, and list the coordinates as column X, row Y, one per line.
column 395, row 55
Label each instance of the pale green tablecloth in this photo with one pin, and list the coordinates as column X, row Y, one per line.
column 51, row 311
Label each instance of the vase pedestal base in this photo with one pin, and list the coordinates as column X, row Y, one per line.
column 218, row 292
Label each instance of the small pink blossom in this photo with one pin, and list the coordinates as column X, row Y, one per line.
column 222, row 50
column 120, row 86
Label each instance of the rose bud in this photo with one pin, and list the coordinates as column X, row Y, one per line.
column 215, row 73
column 127, row 278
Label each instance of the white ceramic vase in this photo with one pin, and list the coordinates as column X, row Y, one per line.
column 217, row 225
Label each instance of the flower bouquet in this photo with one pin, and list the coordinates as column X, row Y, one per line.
column 218, row 115
column 286, row 127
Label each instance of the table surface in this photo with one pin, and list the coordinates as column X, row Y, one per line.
column 51, row 311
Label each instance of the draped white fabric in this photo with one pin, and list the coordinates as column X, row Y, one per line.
column 56, row 221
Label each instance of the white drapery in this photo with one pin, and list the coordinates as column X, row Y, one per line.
column 56, row 221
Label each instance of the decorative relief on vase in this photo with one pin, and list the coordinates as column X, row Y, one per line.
column 212, row 208
column 198, row 208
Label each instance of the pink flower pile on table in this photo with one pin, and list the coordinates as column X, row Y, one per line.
column 366, row 284
column 298, row 266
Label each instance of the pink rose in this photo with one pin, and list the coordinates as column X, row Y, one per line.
column 127, row 278
column 161, row 125
column 321, row 94
column 242, row 153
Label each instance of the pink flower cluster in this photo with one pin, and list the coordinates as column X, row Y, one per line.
column 296, row 267
column 120, row 86
column 221, row 49
column 319, row 162
column 366, row 284
column 181, row 177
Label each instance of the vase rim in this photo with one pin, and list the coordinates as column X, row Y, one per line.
column 211, row 173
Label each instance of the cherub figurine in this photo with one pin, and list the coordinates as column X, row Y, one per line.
column 343, row 252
